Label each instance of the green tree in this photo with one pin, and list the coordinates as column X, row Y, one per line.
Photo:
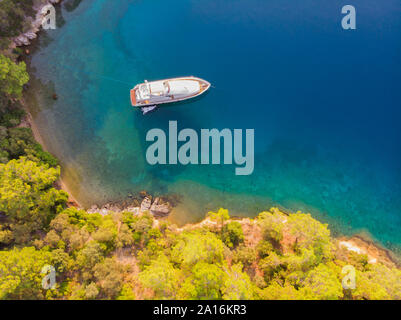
column 220, row 217
column 322, row 284
column 124, row 237
column 12, row 16
column 264, row 248
column 20, row 273
column 107, row 233
column 232, row 234
column 89, row 257
column 161, row 277
column 12, row 77
column 303, row 260
column 27, row 197
column 237, row 285
column 310, row 234
column 140, row 227
column 126, row 293
column 245, row 255
column 109, row 276
column 272, row 224
column 198, row 246
column 17, row 142
column 272, row 265
column 378, row 283
column 275, row 291
column 91, row 291
column 205, row 283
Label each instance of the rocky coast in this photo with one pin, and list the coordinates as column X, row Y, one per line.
column 34, row 23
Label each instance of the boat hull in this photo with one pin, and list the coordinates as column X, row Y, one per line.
column 199, row 87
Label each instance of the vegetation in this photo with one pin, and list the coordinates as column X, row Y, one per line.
column 12, row 77
column 127, row 256
column 12, row 19
column 27, row 199
column 16, row 141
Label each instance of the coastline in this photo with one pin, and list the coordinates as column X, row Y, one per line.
column 355, row 243
column 26, row 37
column 28, row 122
column 24, row 40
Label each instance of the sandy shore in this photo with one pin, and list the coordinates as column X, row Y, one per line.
column 28, row 122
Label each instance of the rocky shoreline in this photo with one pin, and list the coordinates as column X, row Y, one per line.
column 159, row 207
column 25, row 38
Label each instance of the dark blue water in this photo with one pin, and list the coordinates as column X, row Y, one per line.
column 325, row 104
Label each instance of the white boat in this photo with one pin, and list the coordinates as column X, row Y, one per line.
column 167, row 91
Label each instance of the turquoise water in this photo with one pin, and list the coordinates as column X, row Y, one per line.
column 325, row 104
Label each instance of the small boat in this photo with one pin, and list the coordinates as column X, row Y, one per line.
column 148, row 109
column 167, row 91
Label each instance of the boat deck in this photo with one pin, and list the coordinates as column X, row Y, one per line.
column 203, row 86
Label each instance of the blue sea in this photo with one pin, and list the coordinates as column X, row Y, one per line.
column 325, row 104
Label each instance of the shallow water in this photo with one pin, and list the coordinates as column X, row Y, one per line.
column 325, row 104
